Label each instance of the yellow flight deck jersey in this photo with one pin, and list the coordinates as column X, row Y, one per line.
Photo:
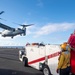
column 64, row 60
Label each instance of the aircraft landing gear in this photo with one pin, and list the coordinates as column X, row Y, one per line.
column 12, row 37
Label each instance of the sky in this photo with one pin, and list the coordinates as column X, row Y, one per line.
column 54, row 20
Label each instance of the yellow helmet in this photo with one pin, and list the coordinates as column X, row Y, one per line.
column 63, row 46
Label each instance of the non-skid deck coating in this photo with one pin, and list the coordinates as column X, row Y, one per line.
column 10, row 64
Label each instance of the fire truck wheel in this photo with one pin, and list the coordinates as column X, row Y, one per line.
column 25, row 61
column 46, row 70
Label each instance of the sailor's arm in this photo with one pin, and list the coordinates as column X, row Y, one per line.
column 61, row 61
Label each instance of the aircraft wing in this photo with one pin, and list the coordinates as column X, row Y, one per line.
column 6, row 27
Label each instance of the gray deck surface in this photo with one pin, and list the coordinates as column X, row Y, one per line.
column 10, row 64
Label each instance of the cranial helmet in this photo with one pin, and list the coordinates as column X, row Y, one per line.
column 65, row 46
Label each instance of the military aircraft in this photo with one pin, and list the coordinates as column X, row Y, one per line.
column 11, row 32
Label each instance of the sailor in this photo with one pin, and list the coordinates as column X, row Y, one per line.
column 71, row 42
column 63, row 67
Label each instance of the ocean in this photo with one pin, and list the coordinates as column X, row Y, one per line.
column 19, row 47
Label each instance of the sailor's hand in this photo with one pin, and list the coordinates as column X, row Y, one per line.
column 57, row 70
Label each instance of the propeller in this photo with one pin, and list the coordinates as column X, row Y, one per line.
column 3, row 19
column 1, row 12
column 24, row 25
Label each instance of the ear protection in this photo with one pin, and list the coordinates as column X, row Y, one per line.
column 68, row 47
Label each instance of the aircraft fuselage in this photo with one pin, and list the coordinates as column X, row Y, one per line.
column 11, row 33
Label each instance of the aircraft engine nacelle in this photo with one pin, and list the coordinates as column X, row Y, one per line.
column 24, row 32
